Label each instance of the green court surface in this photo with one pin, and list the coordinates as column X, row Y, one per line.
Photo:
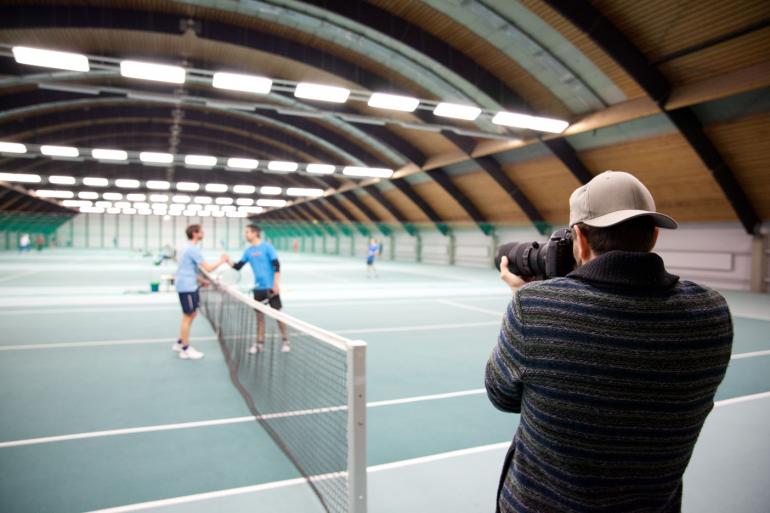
column 97, row 413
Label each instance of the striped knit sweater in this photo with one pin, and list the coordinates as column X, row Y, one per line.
column 614, row 370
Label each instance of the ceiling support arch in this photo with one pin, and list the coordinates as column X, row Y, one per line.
column 601, row 30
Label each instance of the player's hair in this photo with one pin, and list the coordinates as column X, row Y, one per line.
column 192, row 230
column 254, row 228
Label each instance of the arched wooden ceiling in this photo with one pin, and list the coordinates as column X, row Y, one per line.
column 675, row 93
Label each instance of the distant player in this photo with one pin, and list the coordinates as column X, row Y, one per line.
column 264, row 263
column 187, row 281
column 371, row 253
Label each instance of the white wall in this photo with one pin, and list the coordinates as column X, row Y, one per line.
column 102, row 231
column 717, row 255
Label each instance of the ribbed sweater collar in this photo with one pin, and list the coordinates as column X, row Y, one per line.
column 626, row 270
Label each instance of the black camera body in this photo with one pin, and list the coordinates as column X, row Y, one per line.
column 540, row 261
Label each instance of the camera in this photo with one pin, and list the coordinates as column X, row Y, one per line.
column 540, row 261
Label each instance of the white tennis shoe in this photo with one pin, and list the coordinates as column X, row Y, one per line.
column 190, row 354
column 177, row 347
column 256, row 348
column 285, row 347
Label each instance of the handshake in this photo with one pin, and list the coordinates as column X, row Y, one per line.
column 225, row 259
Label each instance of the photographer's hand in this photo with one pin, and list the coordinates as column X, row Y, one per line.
column 510, row 279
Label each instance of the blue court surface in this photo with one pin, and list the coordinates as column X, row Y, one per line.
column 99, row 415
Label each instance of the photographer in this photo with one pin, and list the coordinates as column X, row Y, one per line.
column 613, row 367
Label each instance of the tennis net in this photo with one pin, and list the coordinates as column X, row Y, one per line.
column 311, row 399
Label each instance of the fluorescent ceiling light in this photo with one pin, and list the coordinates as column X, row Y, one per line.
column 271, row 203
column 212, row 208
column 239, row 163
column 323, row 93
column 301, row 191
column 62, row 180
column 19, row 177
column 453, row 110
column 129, row 211
column 88, row 195
column 224, row 201
column 113, row 210
column 203, row 199
column 136, row 197
column 252, row 210
column 141, row 205
column 158, row 198
column 55, row 194
column 393, row 102
column 371, row 172
column 217, row 214
column 102, row 154
column 122, row 204
column 59, row 151
column 244, row 83
column 161, row 185
column 181, row 198
column 204, row 213
column 278, row 165
column 511, row 119
column 236, row 214
column 76, row 203
column 228, row 208
column 244, row 189
column 270, row 190
column 144, row 212
column 9, row 147
column 95, row 182
column 127, row 183
column 188, row 186
column 103, row 204
column 50, row 58
column 112, row 196
column 154, row 157
column 216, row 187
column 200, row 160
column 244, row 202
column 151, row 71
column 194, row 208
column 320, row 169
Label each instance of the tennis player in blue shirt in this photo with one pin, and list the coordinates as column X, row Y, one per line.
column 264, row 263
column 371, row 253
column 187, row 281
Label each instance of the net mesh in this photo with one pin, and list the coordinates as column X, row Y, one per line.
column 300, row 397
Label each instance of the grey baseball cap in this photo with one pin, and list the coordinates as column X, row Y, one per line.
column 611, row 198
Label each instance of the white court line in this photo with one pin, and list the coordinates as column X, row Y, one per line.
column 498, row 314
column 749, row 355
column 230, row 420
column 741, row 399
column 98, row 343
column 298, row 481
column 235, row 420
column 116, row 308
column 422, row 327
column 20, row 275
column 372, row 469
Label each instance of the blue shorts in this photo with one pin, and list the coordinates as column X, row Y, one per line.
column 370, row 260
column 190, row 301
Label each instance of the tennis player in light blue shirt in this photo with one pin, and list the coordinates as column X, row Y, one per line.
column 187, row 282
column 264, row 263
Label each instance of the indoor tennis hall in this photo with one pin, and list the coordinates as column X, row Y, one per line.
column 367, row 164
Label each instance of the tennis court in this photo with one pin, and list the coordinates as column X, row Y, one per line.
column 99, row 414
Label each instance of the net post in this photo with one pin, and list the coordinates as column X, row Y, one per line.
column 357, row 494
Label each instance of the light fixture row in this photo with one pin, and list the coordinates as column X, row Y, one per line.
column 159, row 185
column 154, row 158
column 304, row 90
